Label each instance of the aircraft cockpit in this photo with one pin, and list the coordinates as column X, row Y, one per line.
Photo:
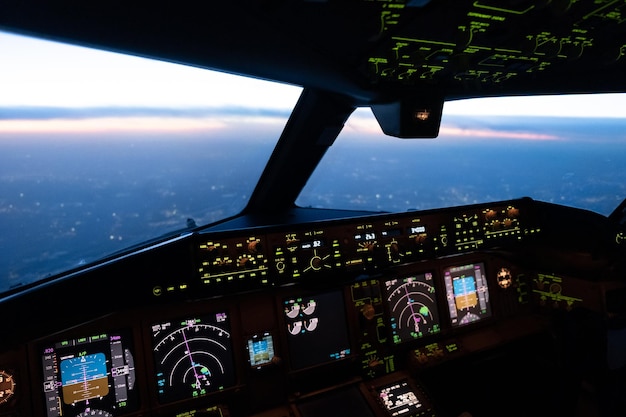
column 385, row 245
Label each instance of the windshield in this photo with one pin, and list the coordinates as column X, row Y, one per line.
column 102, row 151
column 477, row 158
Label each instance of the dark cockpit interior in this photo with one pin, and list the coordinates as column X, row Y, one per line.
column 499, row 308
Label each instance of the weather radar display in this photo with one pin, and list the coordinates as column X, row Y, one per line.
column 412, row 307
column 193, row 356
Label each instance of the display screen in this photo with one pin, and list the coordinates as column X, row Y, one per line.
column 412, row 307
column 344, row 402
column 467, row 293
column 316, row 329
column 401, row 399
column 92, row 375
column 193, row 356
column 260, row 350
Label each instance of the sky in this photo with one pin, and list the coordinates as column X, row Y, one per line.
column 41, row 73
column 33, row 68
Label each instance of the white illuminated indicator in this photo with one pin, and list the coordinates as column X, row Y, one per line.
column 310, row 308
column 422, row 115
column 311, row 324
column 293, row 312
column 295, row 327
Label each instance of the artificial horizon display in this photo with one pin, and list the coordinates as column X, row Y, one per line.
column 467, row 293
column 91, row 375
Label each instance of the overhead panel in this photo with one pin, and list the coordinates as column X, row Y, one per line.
column 488, row 44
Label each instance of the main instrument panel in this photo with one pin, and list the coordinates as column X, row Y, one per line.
column 301, row 319
column 342, row 250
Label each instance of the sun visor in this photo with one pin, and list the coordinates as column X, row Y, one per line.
column 410, row 117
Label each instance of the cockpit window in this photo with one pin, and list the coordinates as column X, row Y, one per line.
column 103, row 151
column 564, row 150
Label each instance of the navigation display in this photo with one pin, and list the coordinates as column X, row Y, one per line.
column 316, row 329
column 467, row 293
column 412, row 307
column 193, row 356
column 92, row 375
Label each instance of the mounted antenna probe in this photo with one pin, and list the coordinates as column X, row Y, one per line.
column 410, row 117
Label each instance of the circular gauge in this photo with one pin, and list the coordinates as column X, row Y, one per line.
column 368, row 311
column 320, row 259
column 490, row 214
column 311, row 324
column 254, row 246
column 295, row 328
column 504, row 278
column 7, row 387
column 368, row 246
column 292, row 310
column 555, row 288
column 94, row 412
column 193, row 357
column 246, row 261
column 512, row 212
